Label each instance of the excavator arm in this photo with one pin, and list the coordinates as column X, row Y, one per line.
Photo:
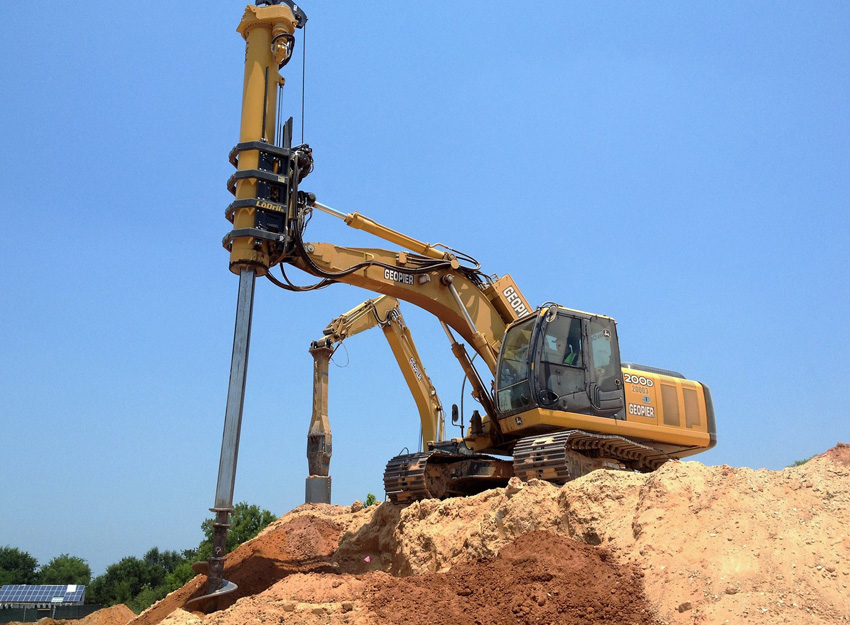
column 421, row 388
column 430, row 276
column 436, row 287
column 380, row 312
column 476, row 306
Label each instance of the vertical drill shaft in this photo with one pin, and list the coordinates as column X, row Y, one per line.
column 268, row 33
column 232, row 427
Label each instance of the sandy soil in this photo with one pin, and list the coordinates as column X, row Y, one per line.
column 116, row 615
column 686, row 544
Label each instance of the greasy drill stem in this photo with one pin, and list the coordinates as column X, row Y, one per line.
column 268, row 31
column 215, row 572
column 232, row 426
column 263, row 190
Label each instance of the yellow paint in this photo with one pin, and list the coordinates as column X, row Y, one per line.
column 257, row 26
column 678, row 440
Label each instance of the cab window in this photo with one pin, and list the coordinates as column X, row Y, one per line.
column 562, row 342
column 561, row 370
column 514, row 391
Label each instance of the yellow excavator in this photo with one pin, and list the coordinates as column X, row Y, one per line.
column 561, row 402
column 383, row 312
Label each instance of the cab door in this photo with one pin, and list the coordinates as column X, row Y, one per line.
column 605, row 376
column 577, row 364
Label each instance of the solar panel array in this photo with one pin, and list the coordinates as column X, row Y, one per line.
column 53, row 594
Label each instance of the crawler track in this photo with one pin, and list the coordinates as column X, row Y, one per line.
column 556, row 458
column 404, row 477
column 565, row 456
column 438, row 474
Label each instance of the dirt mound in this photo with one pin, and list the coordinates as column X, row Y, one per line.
column 714, row 544
column 295, row 543
column 115, row 615
column 539, row 578
column 839, row 453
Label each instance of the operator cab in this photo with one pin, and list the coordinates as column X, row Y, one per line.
column 563, row 360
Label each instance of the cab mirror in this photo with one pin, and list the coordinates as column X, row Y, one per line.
column 455, row 416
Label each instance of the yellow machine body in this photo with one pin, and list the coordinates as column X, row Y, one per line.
column 560, row 370
column 668, row 413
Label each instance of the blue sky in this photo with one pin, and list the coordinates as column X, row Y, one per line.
column 682, row 168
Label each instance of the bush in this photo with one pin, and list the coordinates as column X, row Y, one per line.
column 798, row 463
column 17, row 567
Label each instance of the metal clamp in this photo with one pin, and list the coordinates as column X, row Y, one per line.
column 257, row 174
column 267, row 148
column 267, row 205
column 255, row 233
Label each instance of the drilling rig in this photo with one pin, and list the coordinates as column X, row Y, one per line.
column 561, row 402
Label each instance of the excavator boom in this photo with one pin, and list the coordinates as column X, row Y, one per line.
column 380, row 312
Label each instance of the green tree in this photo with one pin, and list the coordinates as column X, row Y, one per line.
column 370, row 500
column 179, row 577
column 146, row 598
column 161, row 563
column 120, row 583
column 245, row 523
column 141, row 582
column 17, row 567
column 65, row 569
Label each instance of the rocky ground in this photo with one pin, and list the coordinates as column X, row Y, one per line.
column 686, row 544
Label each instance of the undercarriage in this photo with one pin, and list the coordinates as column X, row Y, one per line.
column 556, row 458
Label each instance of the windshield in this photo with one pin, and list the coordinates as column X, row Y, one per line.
column 512, row 378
